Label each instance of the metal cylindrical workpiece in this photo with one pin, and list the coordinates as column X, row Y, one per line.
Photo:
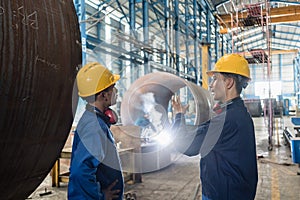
column 155, row 90
column 147, row 101
column 39, row 53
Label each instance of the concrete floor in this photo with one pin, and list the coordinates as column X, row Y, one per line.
column 278, row 177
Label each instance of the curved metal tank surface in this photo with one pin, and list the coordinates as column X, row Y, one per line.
column 40, row 51
column 152, row 94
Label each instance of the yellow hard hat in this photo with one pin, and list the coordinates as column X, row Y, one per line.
column 93, row 78
column 231, row 63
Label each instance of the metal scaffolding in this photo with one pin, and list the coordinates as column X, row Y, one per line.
column 255, row 18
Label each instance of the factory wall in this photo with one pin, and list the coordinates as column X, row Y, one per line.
column 281, row 71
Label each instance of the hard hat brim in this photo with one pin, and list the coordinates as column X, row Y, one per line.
column 211, row 73
column 116, row 78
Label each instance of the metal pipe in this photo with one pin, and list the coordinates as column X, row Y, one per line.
column 82, row 18
column 216, row 41
column 162, row 86
column 147, row 100
column 167, row 31
column 187, row 41
column 146, row 34
column 132, row 20
column 176, row 28
column 195, row 41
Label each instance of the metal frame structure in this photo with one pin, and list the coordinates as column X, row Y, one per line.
column 297, row 79
column 150, row 35
column 184, row 28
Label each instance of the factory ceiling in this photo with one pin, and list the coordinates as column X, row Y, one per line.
column 244, row 22
column 247, row 24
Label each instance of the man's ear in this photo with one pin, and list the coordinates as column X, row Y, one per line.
column 101, row 96
column 104, row 95
column 229, row 82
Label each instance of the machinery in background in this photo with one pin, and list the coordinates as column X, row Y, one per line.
column 258, row 107
column 254, row 107
column 270, row 109
column 286, row 107
column 277, row 107
column 293, row 140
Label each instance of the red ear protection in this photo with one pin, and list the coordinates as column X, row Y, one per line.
column 113, row 117
column 217, row 108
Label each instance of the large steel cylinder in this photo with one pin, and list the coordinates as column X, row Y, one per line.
column 40, row 51
column 154, row 91
column 148, row 101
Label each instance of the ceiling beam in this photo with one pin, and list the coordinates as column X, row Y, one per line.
column 285, row 19
column 273, row 52
column 277, row 15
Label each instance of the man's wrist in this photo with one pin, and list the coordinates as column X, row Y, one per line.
column 179, row 115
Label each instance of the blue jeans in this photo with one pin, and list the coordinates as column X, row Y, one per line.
column 205, row 197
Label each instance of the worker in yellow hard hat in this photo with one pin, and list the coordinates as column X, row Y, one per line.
column 226, row 142
column 95, row 170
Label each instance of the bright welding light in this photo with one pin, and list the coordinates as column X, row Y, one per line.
column 164, row 138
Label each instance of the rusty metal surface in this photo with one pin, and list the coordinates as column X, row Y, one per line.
column 163, row 86
column 40, row 50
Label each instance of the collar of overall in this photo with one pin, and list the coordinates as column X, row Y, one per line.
column 220, row 107
column 100, row 114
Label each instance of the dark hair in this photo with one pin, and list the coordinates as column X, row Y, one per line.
column 90, row 99
column 241, row 81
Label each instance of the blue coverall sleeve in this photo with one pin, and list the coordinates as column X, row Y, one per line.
column 88, row 152
column 188, row 139
column 83, row 181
